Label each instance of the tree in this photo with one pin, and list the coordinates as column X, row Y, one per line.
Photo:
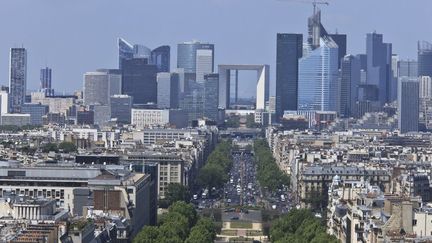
column 67, row 147
column 212, row 175
column 176, row 192
column 50, row 147
column 250, row 121
column 199, row 234
column 148, row 234
column 186, row 210
column 299, row 226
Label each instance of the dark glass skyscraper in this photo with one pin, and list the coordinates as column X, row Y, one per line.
column 139, row 80
column 424, row 58
column 45, row 81
column 161, row 58
column 349, row 83
column 289, row 49
column 379, row 59
column 211, row 96
column 126, row 51
column 341, row 41
column 17, row 78
column 408, row 102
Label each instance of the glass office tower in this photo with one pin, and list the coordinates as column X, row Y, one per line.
column 289, row 49
column 318, row 78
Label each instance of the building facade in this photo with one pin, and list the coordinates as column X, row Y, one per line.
column 17, row 78
column 318, row 78
column 289, row 49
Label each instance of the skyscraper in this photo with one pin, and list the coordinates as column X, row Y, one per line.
column 341, row 41
column 289, row 49
column 161, row 58
column 168, row 90
column 17, row 78
column 139, row 80
column 121, row 106
column 379, row 59
column 408, row 68
column 187, row 55
column 318, row 78
column 99, row 86
column 204, row 64
column 348, row 85
column 408, row 102
column 45, row 81
column 425, row 103
column 126, row 51
column 211, row 96
column 424, row 58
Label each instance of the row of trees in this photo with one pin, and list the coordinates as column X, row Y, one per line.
column 268, row 173
column 180, row 224
column 66, row 147
column 215, row 172
column 300, row 226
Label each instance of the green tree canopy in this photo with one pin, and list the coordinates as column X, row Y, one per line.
column 67, row 147
column 176, row 192
column 300, row 226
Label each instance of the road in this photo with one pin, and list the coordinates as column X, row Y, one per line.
column 242, row 189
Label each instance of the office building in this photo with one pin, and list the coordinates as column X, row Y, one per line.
column 424, row 58
column 425, row 100
column 262, row 84
column 99, row 86
column 211, row 96
column 349, row 82
column 187, row 55
column 17, row 78
column 407, row 68
column 4, row 102
column 341, row 42
column 161, row 58
column 168, row 90
column 318, row 78
column 85, row 117
column 408, row 102
column 121, row 106
column 45, row 81
column 60, row 104
column 15, row 119
column 204, row 63
column 139, row 80
column 289, row 49
column 192, row 102
column 379, row 60
column 102, row 114
column 144, row 118
column 125, row 51
column 36, row 111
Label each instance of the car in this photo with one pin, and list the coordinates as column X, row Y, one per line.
column 234, row 218
column 229, row 210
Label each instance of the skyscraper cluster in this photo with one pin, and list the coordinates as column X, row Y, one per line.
column 315, row 74
column 318, row 76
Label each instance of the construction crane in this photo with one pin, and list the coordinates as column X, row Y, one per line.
column 313, row 2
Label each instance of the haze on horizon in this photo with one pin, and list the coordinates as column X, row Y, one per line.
column 73, row 37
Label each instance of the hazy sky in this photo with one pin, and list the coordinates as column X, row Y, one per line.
column 75, row 36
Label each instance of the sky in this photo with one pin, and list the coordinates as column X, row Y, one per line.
column 73, row 37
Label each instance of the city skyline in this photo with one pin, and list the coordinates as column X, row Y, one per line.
column 234, row 35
